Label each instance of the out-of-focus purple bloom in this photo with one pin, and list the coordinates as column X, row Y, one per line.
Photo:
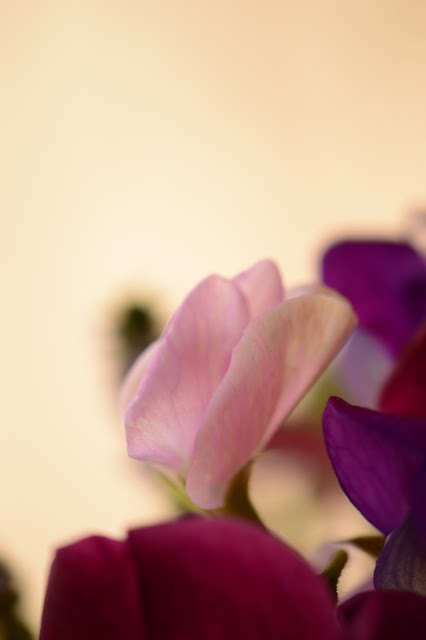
column 384, row 615
column 380, row 461
column 209, row 579
column 380, row 458
column 186, row 580
column 386, row 283
column 404, row 392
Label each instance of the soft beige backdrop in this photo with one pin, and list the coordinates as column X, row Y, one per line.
column 145, row 144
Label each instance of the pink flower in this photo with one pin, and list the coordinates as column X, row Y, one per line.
column 233, row 362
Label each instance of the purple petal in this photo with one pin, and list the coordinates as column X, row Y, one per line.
column 405, row 391
column 278, row 358
column 386, row 283
column 402, row 563
column 190, row 361
column 226, row 579
column 375, row 457
column 262, row 286
column 385, row 615
column 361, row 368
column 93, row 592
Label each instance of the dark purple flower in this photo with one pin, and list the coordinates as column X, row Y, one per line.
column 386, row 284
column 380, row 461
column 190, row 579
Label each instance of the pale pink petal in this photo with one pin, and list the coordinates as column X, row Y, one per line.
column 191, row 360
column 262, row 286
column 134, row 376
column 280, row 355
column 317, row 325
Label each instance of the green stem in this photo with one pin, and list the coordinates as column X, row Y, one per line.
column 332, row 573
column 237, row 501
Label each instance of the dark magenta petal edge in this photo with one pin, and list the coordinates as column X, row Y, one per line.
column 384, row 615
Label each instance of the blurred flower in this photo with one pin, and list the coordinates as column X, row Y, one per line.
column 189, row 579
column 380, row 461
column 404, row 391
column 384, row 615
column 233, row 362
column 386, row 284
column 380, row 457
column 209, row 579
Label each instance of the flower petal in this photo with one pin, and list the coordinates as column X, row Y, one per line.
column 134, row 376
column 280, row 355
column 385, row 615
column 226, row 579
column 361, row 368
column 93, row 592
column 402, row 563
column 386, row 283
column 405, row 391
column 190, row 361
column 262, row 285
column 375, row 457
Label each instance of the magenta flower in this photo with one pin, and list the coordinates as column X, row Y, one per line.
column 384, row 615
column 234, row 360
column 186, row 580
column 209, row 579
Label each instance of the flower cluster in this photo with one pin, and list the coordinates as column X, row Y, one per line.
column 380, row 456
column 202, row 402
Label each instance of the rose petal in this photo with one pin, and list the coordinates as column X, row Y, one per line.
column 405, row 391
column 262, row 286
column 386, row 283
column 402, row 563
column 225, row 579
column 375, row 457
column 280, row 355
column 93, row 592
column 385, row 615
column 192, row 358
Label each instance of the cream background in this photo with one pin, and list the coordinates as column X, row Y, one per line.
column 146, row 144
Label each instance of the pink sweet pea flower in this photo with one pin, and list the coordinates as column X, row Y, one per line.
column 233, row 362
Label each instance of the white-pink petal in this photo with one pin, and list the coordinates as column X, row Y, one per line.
column 263, row 287
column 278, row 358
column 134, row 376
column 191, row 360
